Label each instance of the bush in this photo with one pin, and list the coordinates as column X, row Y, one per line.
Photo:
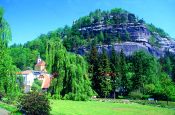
column 76, row 97
column 172, row 98
column 34, row 103
column 135, row 95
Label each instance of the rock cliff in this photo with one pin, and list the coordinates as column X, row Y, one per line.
column 139, row 39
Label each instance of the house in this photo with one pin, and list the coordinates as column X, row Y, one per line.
column 40, row 65
column 39, row 73
column 46, row 78
column 28, row 77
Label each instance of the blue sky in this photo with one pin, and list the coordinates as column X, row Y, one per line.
column 30, row 18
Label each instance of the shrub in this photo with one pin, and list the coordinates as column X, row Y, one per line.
column 135, row 95
column 34, row 103
column 36, row 86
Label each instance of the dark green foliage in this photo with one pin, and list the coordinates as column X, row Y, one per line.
column 115, row 69
column 34, row 103
column 125, row 80
column 103, row 75
column 93, row 66
column 145, row 68
column 23, row 58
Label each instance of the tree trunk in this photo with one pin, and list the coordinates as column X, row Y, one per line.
column 114, row 94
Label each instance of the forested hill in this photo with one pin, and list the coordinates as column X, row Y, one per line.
column 113, row 62
column 105, row 29
column 122, row 29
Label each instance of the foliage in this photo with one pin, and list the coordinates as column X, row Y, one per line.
column 34, row 103
column 135, row 95
column 11, row 108
column 160, row 31
column 36, row 86
column 8, row 71
column 71, row 76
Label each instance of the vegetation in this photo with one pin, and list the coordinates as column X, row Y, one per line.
column 34, row 104
column 98, row 73
column 70, row 72
column 12, row 109
column 8, row 78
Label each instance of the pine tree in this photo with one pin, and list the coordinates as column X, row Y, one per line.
column 125, row 81
column 93, row 66
column 115, row 67
column 104, row 78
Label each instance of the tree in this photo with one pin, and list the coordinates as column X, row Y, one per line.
column 125, row 81
column 145, row 69
column 93, row 66
column 34, row 103
column 104, row 77
column 115, row 69
column 8, row 71
column 165, row 87
column 70, row 71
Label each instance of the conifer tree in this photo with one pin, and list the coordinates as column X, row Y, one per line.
column 104, row 77
column 125, row 81
column 115, row 69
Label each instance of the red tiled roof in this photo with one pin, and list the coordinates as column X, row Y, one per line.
column 46, row 81
column 41, row 63
column 25, row 72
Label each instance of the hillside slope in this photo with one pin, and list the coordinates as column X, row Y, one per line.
column 123, row 30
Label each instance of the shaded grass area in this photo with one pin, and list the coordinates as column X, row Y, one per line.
column 66, row 107
column 12, row 109
column 171, row 105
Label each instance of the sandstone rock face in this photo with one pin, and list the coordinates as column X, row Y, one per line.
column 136, row 32
column 128, row 48
column 139, row 37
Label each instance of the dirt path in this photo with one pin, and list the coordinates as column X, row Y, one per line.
column 3, row 112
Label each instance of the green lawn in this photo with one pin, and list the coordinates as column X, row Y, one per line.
column 65, row 107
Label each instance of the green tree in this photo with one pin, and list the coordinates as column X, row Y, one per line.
column 125, row 81
column 115, row 69
column 145, row 69
column 104, row 78
column 70, row 71
column 8, row 71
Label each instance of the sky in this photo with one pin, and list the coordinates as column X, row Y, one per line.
column 30, row 18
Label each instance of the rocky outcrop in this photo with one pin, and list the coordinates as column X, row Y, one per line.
column 134, row 31
column 128, row 48
column 137, row 35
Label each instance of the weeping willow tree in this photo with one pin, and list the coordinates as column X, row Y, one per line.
column 8, row 84
column 70, row 70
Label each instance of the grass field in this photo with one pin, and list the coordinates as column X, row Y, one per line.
column 65, row 107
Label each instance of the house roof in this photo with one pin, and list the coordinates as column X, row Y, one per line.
column 26, row 72
column 41, row 63
column 46, row 81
